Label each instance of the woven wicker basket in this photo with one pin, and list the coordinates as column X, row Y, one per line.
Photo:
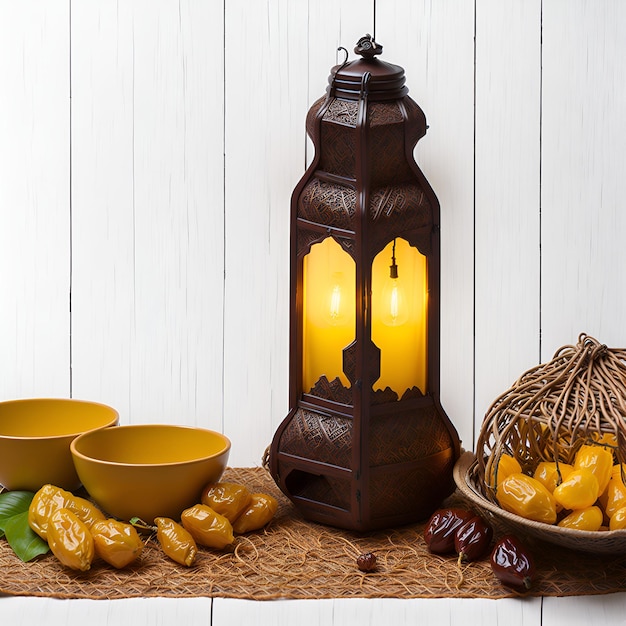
column 547, row 415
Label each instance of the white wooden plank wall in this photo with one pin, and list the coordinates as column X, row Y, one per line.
column 148, row 150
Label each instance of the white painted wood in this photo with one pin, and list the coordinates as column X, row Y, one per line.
column 361, row 612
column 136, row 611
column 433, row 41
column 583, row 164
column 584, row 610
column 507, row 211
column 34, row 199
column 265, row 103
column 148, row 209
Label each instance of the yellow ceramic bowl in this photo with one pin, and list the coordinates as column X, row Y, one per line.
column 149, row 470
column 35, row 437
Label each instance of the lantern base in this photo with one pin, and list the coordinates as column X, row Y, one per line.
column 400, row 473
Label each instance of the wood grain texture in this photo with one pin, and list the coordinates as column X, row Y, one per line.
column 264, row 148
column 583, row 165
column 34, row 199
column 136, row 611
column 398, row 612
column 507, row 195
column 148, row 210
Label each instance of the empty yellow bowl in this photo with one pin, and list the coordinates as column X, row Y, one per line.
column 35, row 437
column 149, row 470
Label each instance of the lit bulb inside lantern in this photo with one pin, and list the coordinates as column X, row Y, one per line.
column 395, row 308
column 336, row 313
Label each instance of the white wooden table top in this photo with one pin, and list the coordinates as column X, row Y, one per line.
column 607, row 610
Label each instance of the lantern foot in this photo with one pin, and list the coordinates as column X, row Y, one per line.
column 409, row 472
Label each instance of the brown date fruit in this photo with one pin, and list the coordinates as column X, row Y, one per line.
column 512, row 563
column 441, row 529
column 472, row 539
column 366, row 562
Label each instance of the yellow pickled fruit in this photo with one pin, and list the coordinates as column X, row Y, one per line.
column 606, row 439
column 259, row 512
column 176, row 541
column 614, row 496
column 46, row 501
column 550, row 474
column 527, row 497
column 618, row 519
column 70, row 540
column 583, row 519
column 49, row 499
column 597, row 459
column 227, row 499
column 506, row 465
column 116, row 542
column 578, row 491
column 84, row 510
column 207, row 527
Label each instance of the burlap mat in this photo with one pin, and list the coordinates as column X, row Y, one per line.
column 296, row 559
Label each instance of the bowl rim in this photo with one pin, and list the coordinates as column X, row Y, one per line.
column 76, row 454
column 115, row 416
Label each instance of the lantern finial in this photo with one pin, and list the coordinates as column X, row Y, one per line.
column 367, row 47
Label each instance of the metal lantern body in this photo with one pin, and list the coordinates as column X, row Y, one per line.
column 366, row 443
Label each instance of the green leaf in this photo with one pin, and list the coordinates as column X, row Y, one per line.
column 12, row 503
column 26, row 543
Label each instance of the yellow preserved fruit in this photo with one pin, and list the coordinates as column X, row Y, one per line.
column 550, row 473
column 49, row 499
column 606, row 439
column 589, row 518
column 506, row 465
column 259, row 512
column 45, row 502
column 578, row 491
column 618, row 519
column 527, row 497
column 116, row 542
column 598, row 460
column 227, row 499
column 70, row 540
column 85, row 511
column 614, row 496
column 207, row 527
column 176, row 541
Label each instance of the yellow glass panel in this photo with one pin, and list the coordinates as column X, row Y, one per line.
column 399, row 317
column 329, row 279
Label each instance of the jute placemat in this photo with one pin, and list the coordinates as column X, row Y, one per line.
column 296, row 559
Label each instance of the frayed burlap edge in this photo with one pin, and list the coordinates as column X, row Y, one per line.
column 296, row 559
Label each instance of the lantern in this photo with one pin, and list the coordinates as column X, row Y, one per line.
column 366, row 443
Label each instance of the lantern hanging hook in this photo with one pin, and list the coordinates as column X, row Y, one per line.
column 345, row 61
column 337, row 69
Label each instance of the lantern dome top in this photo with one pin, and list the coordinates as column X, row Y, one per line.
column 368, row 75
